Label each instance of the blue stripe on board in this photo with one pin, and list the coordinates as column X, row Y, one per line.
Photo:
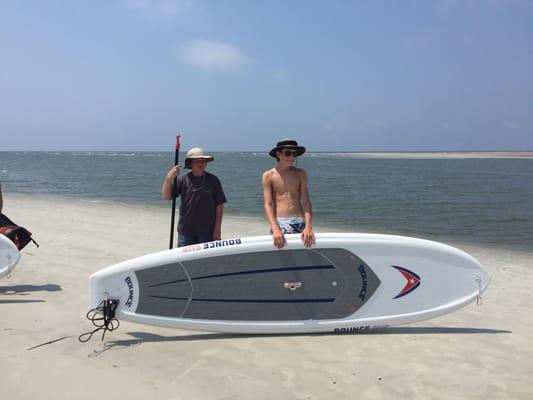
column 169, row 298
column 326, row 300
column 168, row 283
column 257, row 271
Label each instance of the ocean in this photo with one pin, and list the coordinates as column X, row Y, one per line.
column 477, row 200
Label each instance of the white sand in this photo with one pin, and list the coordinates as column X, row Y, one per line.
column 475, row 353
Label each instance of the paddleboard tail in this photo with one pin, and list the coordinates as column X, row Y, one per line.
column 103, row 318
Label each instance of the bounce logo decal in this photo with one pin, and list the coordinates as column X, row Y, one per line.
column 413, row 281
column 129, row 282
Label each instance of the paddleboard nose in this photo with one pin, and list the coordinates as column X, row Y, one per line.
column 480, row 274
column 9, row 256
column 478, row 271
column 483, row 278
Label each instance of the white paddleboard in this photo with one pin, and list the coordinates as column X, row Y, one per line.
column 344, row 283
column 9, row 256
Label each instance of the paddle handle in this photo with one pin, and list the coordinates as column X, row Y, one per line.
column 174, row 185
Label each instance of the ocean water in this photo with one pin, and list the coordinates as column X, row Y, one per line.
column 480, row 200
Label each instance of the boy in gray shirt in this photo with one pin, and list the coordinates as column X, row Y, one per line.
column 202, row 200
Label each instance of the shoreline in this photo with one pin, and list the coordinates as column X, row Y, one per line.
column 482, row 351
column 252, row 224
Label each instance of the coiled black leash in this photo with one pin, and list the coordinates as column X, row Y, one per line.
column 103, row 317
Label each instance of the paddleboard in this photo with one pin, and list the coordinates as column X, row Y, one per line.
column 9, row 256
column 344, row 283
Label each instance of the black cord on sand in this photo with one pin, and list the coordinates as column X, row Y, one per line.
column 103, row 317
column 49, row 342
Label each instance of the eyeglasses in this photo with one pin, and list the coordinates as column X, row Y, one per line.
column 288, row 153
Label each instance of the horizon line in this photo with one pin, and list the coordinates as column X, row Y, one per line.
column 266, row 151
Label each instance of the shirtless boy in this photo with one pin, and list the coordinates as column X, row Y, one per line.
column 287, row 204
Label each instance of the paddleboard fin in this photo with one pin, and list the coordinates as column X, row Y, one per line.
column 103, row 317
column 479, row 299
column 10, row 266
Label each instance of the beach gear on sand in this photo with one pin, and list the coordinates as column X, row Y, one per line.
column 17, row 234
column 347, row 282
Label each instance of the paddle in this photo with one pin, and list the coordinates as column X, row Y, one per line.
column 174, row 184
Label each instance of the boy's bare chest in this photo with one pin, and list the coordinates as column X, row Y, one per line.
column 285, row 183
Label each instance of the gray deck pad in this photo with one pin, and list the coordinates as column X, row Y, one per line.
column 286, row 285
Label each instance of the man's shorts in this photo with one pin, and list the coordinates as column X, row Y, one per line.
column 291, row 224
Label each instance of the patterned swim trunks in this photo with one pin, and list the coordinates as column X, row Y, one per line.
column 291, row 224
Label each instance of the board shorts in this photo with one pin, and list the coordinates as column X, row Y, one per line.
column 290, row 225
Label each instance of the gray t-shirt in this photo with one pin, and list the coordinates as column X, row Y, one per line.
column 200, row 196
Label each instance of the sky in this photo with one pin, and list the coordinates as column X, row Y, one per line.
column 425, row 75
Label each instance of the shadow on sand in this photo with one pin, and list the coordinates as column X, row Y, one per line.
column 23, row 290
column 145, row 337
column 20, row 301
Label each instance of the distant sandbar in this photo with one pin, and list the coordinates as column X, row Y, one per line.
column 433, row 155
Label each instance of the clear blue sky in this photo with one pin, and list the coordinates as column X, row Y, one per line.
column 239, row 75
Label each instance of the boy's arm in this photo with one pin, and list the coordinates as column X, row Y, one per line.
column 217, row 231
column 308, row 236
column 268, row 198
column 166, row 190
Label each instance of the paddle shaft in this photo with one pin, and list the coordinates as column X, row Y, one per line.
column 174, row 185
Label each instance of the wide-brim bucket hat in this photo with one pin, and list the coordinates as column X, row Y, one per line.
column 196, row 153
column 287, row 144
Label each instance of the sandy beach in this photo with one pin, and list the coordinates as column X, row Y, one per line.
column 478, row 352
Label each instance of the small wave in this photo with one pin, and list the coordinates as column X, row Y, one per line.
column 120, row 154
column 97, row 201
column 247, row 217
column 154, row 154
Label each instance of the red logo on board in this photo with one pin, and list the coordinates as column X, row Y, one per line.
column 413, row 281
